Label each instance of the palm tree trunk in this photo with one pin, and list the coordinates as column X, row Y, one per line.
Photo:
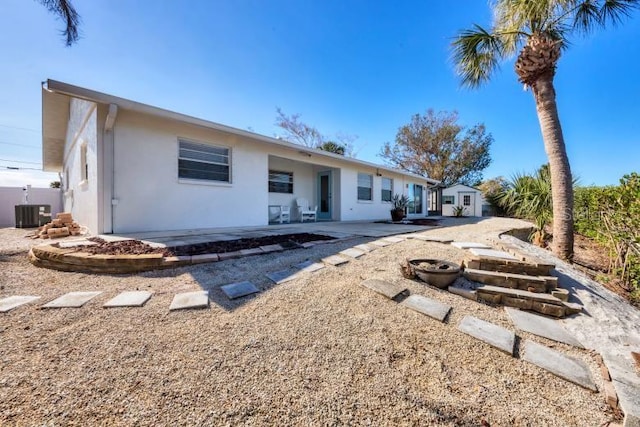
column 561, row 180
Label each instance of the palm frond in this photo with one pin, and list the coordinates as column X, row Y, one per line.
column 477, row 54
column 65, row 11
column 615, row 11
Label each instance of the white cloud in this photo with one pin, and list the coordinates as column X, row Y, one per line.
column 20, row 178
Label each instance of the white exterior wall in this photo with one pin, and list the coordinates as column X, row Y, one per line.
column 12, row 196
column 354, row 209
column 457, row 191
column 80, row 197
column 303, row 183
column 149, row 196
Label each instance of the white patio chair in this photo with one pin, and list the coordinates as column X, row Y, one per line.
column 285, row 213
column 305, row 211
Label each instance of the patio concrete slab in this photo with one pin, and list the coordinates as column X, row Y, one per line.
column 492, row 253
column 390, row 290
column 565, row 367
column 427, row 306
column 190, row 300
column 494, row 335
column 541, row 326
column 9, row 303
column 469, row 245
column 352, row 252
column 282, row 276
column 129, row 299
column 72, row 300
column 239, row 290
column 365, row 248
column 309, row 266
column 335, row 260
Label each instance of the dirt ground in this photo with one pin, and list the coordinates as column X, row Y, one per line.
column 318, row 350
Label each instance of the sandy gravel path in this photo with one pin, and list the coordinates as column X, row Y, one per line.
column 319, row 350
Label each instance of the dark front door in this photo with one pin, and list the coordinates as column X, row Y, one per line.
column 324, row 195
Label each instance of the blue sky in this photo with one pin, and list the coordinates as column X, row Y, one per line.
column 357, row 67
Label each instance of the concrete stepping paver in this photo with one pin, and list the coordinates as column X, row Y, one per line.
column 494, row 335
column 469, row 245
column 72, row 300
column 568, row 368
column 282, row 276
column 309, row 266
column 541, row 326
column 393, row 239
column 380, row 243
column 427, row 306
column 335, row 260
column 190, row 300
column 388, row 289
column 129, row 299
column 12, row 302
column 352, row 252
column 433, row 239
column 239, row 290
column 492, row 253
column 365, row 248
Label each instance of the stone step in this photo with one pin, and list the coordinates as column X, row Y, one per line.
column 9, row 303
column 539, row 302
column 507, row 280
column 541, row 326
column 507, row 266
column 427, row 306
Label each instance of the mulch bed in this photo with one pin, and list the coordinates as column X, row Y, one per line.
column 136, row 247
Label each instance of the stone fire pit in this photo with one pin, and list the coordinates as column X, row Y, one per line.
column 438, row 273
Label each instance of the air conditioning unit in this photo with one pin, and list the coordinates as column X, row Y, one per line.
column 32, row 216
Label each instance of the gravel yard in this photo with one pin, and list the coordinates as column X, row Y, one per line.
column 318, row 350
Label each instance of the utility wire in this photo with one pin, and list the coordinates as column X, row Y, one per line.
column 14, row 168
column 19, row 145
column 19, row 128
column 20, row 161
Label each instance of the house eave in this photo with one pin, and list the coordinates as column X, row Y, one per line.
column 55, row 117
column 66, row 91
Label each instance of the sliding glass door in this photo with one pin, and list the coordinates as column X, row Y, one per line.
column 415, row 199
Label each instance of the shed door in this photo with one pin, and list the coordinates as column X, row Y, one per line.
column 468, row 201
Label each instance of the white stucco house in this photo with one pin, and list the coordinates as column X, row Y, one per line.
column 130, row 167
column 469, row 198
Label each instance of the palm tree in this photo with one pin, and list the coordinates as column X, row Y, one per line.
column 538, row 30
column 65, row 11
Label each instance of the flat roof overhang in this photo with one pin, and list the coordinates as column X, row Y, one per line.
column 55, row 117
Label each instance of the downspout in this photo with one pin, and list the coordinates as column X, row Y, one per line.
column 109, row 125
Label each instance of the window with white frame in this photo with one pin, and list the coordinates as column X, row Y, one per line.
column 280, row 182
column 448, row 200
column 203, row 161
column 387, row 189
column 365, row 187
